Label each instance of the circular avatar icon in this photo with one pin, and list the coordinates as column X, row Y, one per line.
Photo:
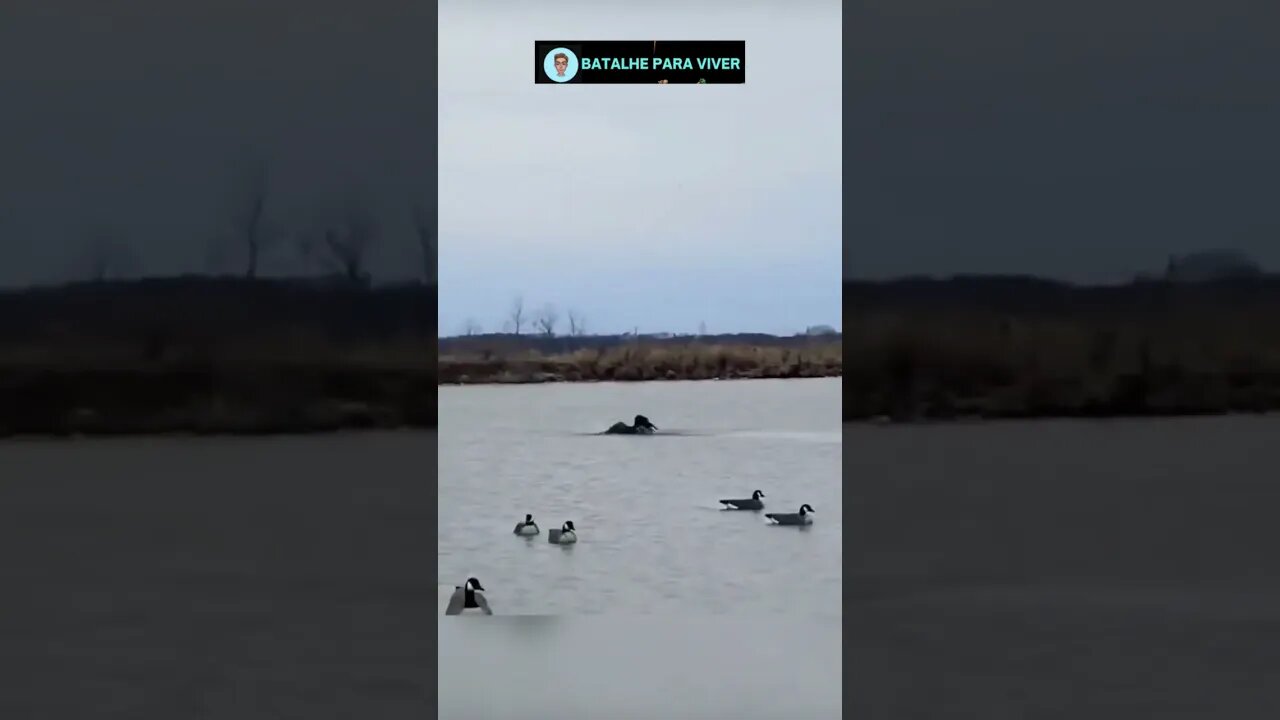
column 561, row 64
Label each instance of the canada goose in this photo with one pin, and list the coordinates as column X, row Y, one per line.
column 640, row 426
column 528, row 527
column 564, row 536
column 751, row 503
column 467, row 600
column 804, row 517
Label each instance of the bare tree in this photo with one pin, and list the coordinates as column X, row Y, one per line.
column 471, row 327
column 546, row 320
column 343, row 247
column 424, row 226
column 248, row 218
column 577, row 324
column 516, row 315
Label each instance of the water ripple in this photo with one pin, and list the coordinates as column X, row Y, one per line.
column 647, row 543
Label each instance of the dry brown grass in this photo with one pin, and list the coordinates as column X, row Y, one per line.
column 935, row 362
column 638, row 361
column 246, row 388
column 303, row 383
column 942, row 364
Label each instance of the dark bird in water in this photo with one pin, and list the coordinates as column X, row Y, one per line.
column 566, row 535
column 527, row 527
column 751, row 503
column 804, row 517
column 641, row 426
column 467, row 600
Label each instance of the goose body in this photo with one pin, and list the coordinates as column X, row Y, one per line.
column 804, row 517
column 527, row 527
column 640, row 426
column 467, row 600
column 752, row 503
column 564, row 536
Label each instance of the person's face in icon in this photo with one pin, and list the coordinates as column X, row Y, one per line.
column 562, row 64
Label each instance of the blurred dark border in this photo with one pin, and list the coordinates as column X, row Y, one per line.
column 141, row 597
column 978, row 583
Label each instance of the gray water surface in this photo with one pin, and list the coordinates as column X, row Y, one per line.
column 598, row 667
column 652, row 537
column 217, row 577
column 1065, row 569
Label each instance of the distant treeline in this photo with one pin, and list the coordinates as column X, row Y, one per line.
column 211, row 355
column 522, row 359
column 1027, row 347
column 491, row 343
column 241, row 355
column 206, row 310
column 1029, row 295
column 203, row 354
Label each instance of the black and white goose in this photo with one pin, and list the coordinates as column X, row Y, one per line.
column 564, row 536
column 467, row 600
column 751, row 503
column 804, row 517
column 527, row 527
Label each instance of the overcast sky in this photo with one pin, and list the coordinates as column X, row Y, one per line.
column 657, row 207
column 1083, row 140
column 139, row 118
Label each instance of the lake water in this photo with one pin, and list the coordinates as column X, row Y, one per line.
column 652, row 537
column 601, row 666
column 997, row 570
column 217, row 578
column 1065, row 569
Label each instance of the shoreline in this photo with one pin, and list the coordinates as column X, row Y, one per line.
column 253, row 400
column 189, row 398
column 555, row 379
column 641, row 361
column 203, row 429
column 887, row 421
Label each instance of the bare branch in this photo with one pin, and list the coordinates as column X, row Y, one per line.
column 471, row 327
column 424, row 226
column 546, row 320
column 577, row 324
column 343, row 248
column 248, row 219
column 516, row 315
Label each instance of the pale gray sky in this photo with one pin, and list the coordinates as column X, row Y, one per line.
column 658, row 207
column 990, row 137
column 136, row 117
column 1079, row 140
